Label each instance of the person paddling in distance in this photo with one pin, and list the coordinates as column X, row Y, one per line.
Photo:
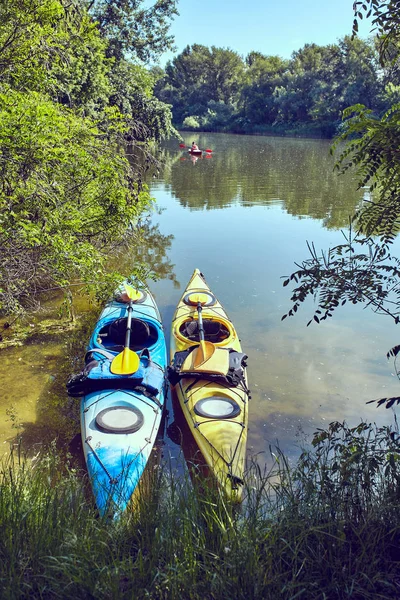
column 194, row 147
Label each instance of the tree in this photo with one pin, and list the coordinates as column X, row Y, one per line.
column 264, row 75
column 52, row 48
column 200, row 82
column 214, row 87
column 386, row 23
column 225, row 76
column 373, row 276
column 322, row 81
column 134, row 30
column 66, row 194
column 136, row 34
column 132, row 92
column 67, row 191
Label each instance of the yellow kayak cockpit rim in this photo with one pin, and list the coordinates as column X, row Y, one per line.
column 217, row 330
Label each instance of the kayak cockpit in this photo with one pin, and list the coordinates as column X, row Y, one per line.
column 214, row 331
column 111, row 335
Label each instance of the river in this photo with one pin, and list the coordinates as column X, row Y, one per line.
column 242, row 215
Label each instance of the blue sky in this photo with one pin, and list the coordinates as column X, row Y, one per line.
column 268, row 26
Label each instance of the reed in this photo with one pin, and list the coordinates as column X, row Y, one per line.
column 326, row 527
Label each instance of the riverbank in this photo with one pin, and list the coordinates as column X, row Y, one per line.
column 313, row 130
column 327, row 527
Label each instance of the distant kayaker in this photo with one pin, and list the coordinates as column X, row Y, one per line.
column 194, row 147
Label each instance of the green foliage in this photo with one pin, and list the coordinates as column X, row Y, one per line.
column 133, row 28
column 343, row 275
column 132, row 93
column 323, row 80
column 56, row 48
column 264, row 77
column 375, row 154
column 327, row 527
column 78, row 75
column 391, row 94
column 66, row 194
column 27, row 38
column 190, row 123
column 309, row 91
column 53, row 48
column 200, row 76
column 386, row 23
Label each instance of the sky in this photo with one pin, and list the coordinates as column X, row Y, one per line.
column 272, row 27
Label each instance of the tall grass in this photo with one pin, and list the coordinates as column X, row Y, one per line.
column 326, row 528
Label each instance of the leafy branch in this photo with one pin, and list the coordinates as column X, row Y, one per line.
column 385, row 22
column 343, row 275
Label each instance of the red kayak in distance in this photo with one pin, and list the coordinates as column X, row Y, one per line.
column 195, row 152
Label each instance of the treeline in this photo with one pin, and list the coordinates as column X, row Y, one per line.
column 73, row 90
column 214, row 89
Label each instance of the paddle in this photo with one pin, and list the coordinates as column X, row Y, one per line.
column 127, row 361
column 205, row 349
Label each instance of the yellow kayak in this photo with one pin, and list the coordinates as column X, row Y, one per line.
column 208, row 375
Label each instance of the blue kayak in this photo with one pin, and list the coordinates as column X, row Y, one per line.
column 121, row 412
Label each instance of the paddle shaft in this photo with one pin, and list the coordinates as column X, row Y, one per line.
column 205, row 349
column 128, row 326
column 200, row 322
column 208, row 150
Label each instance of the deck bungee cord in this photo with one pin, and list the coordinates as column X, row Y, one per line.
column 114, row 480
column 140, row 398
column 197, row 424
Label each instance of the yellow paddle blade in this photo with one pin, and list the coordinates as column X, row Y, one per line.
column 203, row 353
column 217, row 363
column 197, row 297
column 132, row 294
column 125, row 363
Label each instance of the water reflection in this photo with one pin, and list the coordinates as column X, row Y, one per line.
column 273, row 195
column 260, row 170
column 144, row 244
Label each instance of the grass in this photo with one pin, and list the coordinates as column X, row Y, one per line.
column 326, row 528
